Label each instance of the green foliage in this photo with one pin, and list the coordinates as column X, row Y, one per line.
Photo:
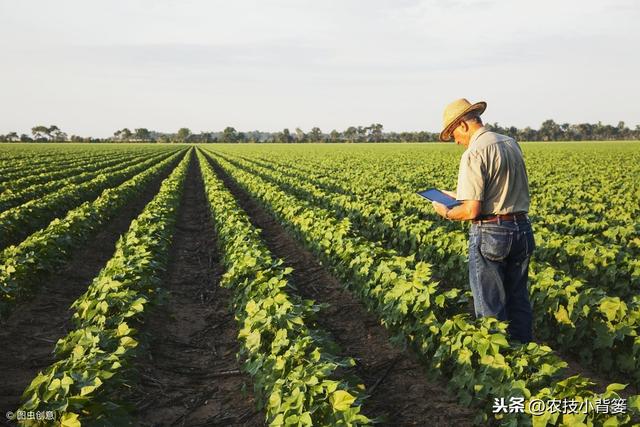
column 92, row 361
column 473, row 355
column 294, row 371
column 23, row 267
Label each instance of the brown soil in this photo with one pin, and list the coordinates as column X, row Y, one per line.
column 399, row 389
column 189, row 374
column 28, row 335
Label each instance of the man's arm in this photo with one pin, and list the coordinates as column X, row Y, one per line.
column 468, row 210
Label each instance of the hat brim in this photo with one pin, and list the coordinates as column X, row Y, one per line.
column 478, row 107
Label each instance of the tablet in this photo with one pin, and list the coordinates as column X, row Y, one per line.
column 436, row 195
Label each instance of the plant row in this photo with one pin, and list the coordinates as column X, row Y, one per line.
column 16, row 196
column 568, row 313
column 17, row 223
column 93, row 361
column 293, row 366
column 23, row 267
column 607, row 264
column 473, row 354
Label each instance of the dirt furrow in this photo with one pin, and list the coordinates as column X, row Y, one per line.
column 189, row 375
column 399, row 388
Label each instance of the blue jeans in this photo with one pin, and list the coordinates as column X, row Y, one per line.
column 499, row 256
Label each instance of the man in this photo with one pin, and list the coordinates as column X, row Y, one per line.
column 494, row 190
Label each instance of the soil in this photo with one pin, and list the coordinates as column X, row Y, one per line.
column 400, row 392
column 28, row 335
column 189, row 375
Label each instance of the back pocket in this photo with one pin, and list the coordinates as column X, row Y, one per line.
column 495, row 244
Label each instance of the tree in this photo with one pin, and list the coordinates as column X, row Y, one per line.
column 40, row 133
column 375, row 132
column 142, row 134
column 550, row 131
column 229, row 134
column 183, row 134
column 11, row 137
column 54, row 133
column 334, row 136
column 300, row 135
column 126, row 134
column 315, row 135
column 286, row 135
column 350, row 134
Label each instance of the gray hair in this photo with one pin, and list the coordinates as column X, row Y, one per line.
column 471, row 117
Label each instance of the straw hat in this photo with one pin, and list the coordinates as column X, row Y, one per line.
column 454, row 111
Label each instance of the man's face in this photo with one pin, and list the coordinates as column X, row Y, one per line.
column 460, row 134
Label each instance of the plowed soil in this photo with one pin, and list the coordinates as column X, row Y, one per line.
column 189, row 375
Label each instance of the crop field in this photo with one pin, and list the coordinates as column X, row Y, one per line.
column 306, row 284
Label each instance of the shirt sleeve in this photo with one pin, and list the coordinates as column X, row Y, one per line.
column 470, row 178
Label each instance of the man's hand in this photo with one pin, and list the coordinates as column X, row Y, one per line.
column 440, row 209
column 468, row 210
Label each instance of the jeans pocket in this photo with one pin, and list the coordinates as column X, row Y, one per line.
column 495, row 245
column 531, row 243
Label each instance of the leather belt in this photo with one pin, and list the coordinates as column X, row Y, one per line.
column 516, row 216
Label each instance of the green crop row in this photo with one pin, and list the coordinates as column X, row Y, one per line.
column 609, row 264
column 292, row 365
column 24, row 266
column 28, row 171
column 568, row 313
column 17, row 194
column 473, row 354
column 93, row 360
column 17, row 223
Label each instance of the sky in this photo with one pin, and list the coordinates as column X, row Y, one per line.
column 92, row 67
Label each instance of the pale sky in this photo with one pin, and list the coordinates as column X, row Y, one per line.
column 92, row 67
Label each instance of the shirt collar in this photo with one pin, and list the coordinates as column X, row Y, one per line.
column 477, row 134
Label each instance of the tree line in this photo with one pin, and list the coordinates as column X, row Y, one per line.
column 548, row 131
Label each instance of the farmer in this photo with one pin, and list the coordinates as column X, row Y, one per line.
column 494, row 191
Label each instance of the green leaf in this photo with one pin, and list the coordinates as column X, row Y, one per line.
column 616, row 387
column 341, row 400
column 69, row 419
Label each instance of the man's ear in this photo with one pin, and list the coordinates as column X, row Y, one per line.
column 465, row 125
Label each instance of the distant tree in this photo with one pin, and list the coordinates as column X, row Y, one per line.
column 300, row 135
column 334, row 136
column 142, row 134
column 351, row 134
column 315, row 135
column 11, row 137
column 183, row 134
column 550, row 131
column 126, row 134
column 375, row 132
column 25, row 138
column 55, row 134
column 286, row 135
column 40, row 133
column 229, row 134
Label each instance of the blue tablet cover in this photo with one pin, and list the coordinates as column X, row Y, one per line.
column 436, row 195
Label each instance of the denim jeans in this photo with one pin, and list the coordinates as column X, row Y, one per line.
column 499, row 256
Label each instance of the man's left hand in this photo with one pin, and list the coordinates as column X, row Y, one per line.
column 440, row 209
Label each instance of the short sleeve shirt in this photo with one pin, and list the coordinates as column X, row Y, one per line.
column 492, row 170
